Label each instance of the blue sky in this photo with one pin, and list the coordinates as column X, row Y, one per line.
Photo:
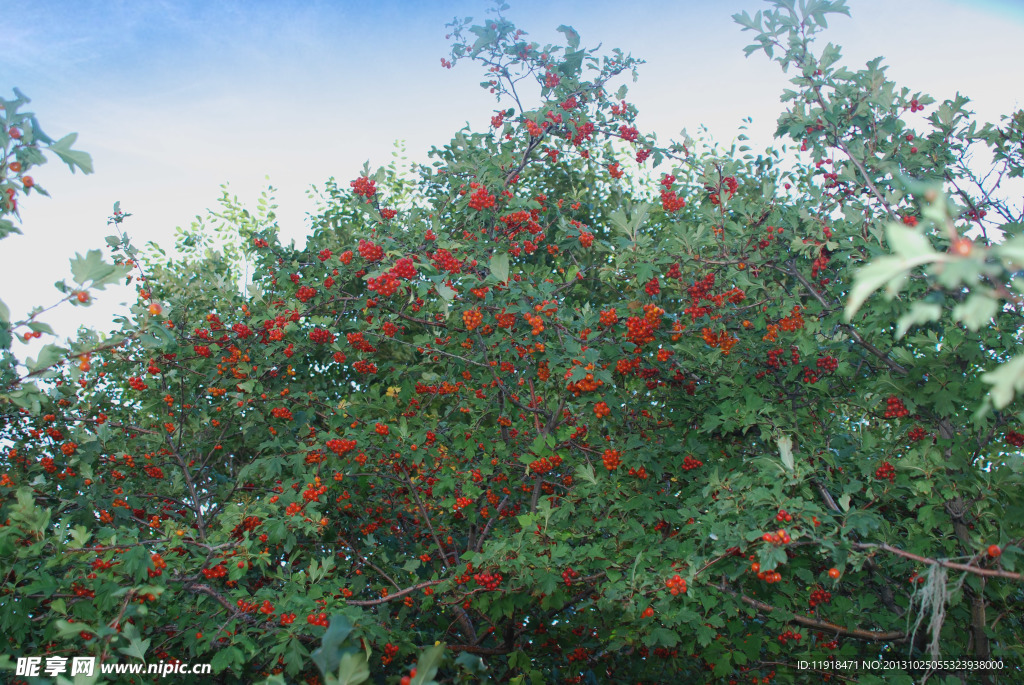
column 174, row 98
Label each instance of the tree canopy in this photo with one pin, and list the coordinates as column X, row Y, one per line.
column 568, row 404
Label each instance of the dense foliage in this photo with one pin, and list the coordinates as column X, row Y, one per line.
column 572, row 404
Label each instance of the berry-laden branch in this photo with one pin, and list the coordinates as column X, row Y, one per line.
column 977, row 570
column 393, row 596
column 890, row 636
column 898, row 368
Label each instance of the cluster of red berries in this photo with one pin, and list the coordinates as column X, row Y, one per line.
column 446, row 261
column 313, row 492
column 789, row 635
column 820, row 596
column 569, row 576
column 894, row 408
column 218, row 571
column 628, row 133
column 364, row 366
column 1014, row 438
column 364, row 186
column 472, row 318
column 305, row 293
column 827, row 364
column 779, row 537
column 676, row 584
column 386, row 285
column 277, row 413
column 689, row 463
column 671, row 202
column 820, row 263
column 886, row 472
column 601, row 409
column 407, row 679
column 287, row 619
column 612, row 459
column 639, row 331
column 369, row 251
column 404, row 268
column 766, row 576
column 916, row 106
column 488, row 581
column 545, row 464
column 341, row 447
column 321, row 336
column 381, row 429
column 359, row 342
column 919, row 433
column 783, row 516
column 316, row 619
column 480, row 199
column 158, row 566
column 136, row 383
column 462, row 503
column 248, row 607
column 202, row 350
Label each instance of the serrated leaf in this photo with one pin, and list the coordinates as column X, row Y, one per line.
column 585, row 472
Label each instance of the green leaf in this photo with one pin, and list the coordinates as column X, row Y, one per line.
column 906, row 242
column 428, row 663
column 920, row 313
column 786, row 451
column 585, row 472
column 882, row 271
column 499, row 266
column 91, row 267
column 48, row 356
column 471, row 662
column 1006, row 380
column 976, row 311
column 444, row 291
column 73, row 158
column 327, row 656
column 572, row 38
column 353, row 669
column 136, row 648
column 5, row 313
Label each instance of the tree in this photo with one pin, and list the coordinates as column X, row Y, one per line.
column 560, row 415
